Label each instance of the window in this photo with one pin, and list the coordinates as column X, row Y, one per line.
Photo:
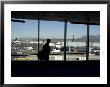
column 94, row 42
column 24, row 43
column 76, row 42
column 69, row 41
column 53, row 30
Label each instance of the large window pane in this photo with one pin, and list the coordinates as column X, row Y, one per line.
column 53, row 30
column 24, row 44
column 94, row 47
column 76, row 42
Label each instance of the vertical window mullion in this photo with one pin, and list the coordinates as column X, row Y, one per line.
column 65, row 32
column 38, row 29
column 87, row 51
column 87, row 48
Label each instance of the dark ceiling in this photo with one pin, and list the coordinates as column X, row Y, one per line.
column 77, row 17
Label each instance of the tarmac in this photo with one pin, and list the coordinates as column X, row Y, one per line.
column 70, row 57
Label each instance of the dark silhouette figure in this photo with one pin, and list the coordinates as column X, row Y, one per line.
column 43, row 55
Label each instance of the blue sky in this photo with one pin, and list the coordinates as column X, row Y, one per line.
column 50, row 29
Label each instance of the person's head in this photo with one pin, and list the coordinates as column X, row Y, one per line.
column 48, row 40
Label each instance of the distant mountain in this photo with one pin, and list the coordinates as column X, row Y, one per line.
column 92, row 38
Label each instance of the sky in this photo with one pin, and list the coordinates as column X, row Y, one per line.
column 50, row 29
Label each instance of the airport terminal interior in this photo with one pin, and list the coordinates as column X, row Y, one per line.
column 72, row 38
column 74, row 47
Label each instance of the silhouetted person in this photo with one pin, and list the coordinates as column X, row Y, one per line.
column 46, row 50
column 44, row 53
